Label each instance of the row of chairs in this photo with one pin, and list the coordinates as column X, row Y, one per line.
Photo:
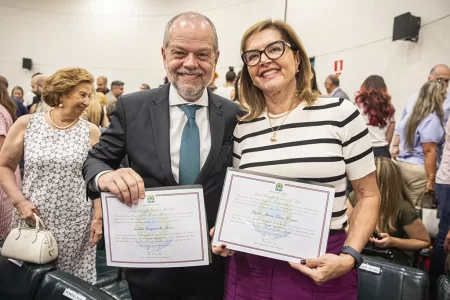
column 378, row 280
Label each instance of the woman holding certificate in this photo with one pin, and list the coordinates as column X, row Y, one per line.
column 290, row 131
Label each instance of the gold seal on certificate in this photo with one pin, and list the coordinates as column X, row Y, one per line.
column 273, row 217
column 166, row 229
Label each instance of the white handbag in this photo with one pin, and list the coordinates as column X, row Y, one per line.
column 32, row 245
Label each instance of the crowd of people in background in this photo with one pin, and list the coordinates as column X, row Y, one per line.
column 408, row 159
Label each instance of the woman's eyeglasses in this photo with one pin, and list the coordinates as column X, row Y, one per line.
column 273, row 51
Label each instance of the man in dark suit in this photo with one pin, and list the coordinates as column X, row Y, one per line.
column 177, row 134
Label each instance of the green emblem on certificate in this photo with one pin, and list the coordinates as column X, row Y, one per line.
column 279, row 187
column 151, row 199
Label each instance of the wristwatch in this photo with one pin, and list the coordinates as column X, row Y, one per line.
column 355, row 254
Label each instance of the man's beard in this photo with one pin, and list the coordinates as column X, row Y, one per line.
column 190, row 92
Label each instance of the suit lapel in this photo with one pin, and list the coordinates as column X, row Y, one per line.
column 160, row 119
column 217, row 127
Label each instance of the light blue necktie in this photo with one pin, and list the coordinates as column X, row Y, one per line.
column 190, row 147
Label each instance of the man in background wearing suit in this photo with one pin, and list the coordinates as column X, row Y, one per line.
column 333, row 89
column 149, row 127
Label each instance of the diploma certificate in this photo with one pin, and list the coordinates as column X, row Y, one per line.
column 166, row 229
column 273, row 217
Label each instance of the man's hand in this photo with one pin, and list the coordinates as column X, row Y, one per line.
column 124, row 183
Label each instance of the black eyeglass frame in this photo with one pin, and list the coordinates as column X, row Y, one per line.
column 260, row 52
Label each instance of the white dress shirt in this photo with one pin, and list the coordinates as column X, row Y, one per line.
column 177, row 121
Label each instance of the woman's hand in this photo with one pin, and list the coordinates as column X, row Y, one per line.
column 95, row 232
column 26, row 210
column 326, row 267
column 221, row 249
column 386, row 241
column 430, row 185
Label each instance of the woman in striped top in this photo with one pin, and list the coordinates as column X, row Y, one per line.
column 290, row 132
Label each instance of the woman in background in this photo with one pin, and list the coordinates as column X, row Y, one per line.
column 226, row 91
column 398, row 228
column 96, row 113
column 17, row 92
column 374, row 104
column 314, row 86
column 55, row 145
column 421, row 139
column 7, row 117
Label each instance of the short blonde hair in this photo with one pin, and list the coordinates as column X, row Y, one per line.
column 63, row 82
column 253, row 96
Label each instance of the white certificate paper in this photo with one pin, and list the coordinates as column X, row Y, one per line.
column 276, row 218
column 166, row 229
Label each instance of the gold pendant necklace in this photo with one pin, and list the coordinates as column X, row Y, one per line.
column 274, row 138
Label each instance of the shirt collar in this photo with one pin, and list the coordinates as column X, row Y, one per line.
column 334, row 91
column 176, row 99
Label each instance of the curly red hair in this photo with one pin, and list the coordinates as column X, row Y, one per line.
column 375, row 100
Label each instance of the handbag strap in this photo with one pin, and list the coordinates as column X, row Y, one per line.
column 39, row 223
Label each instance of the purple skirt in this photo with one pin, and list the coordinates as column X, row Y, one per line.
column 251, row 277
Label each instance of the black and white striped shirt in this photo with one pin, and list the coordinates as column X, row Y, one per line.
column 326, row 142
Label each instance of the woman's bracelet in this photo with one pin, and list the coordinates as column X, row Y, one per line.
column 394, row 145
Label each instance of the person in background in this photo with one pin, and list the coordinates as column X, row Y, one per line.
column 55, row 145
column 398, row 228
column 20, row 108
column 144, row 87
column 421, row 138
column 38, row 106
column 314, row 85
column 17, row 92
column 226, row 91
column 96, row 113
column 441, row 73
column 30, row 96
column 7, row 117
column 101, row 98
column 374, row 104
column 102, row 85
column 333, row 89
column 237, row 85
column 115, row 92
column 212, row 85
column 281, row 135
column 442, row 189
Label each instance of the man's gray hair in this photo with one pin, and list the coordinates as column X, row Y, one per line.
column 334, row 80
column 191, row 15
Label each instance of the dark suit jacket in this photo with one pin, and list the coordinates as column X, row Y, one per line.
column 140, row 129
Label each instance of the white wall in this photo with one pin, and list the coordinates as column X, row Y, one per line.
column 360, row 33
column 120, row 39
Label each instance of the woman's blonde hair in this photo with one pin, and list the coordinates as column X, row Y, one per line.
column 94, row 110
column 101, row 98
column 253, row 96
column 429, row 101
column 63, row 82
column 393, row 191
